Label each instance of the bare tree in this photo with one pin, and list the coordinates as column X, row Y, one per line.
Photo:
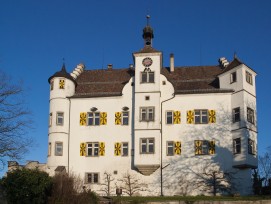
column 14, row 121
column 130, row 184
column 213, row 180
column 107, row 183
column 265, row 166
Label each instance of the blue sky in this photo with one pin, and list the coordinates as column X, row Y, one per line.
column 35, row 36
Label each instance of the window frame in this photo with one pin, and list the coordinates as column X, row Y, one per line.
column 250, row 115
column 200, row 115
column 251, row 147
column 249, row 78
column 172, row 117
column 91, row 179
column 169, row 146
column 94, row 118
column 148, row 73
column 49, row 149
column 147, row 144
column 147, row 112
column 123, row 118
column 58, row 117
column 124, row 147
column 205, row 147
column 92, row 149
column 52, row 85
column 237, row 145
column 58, row 153
column 233, row 77
column 50, row 119
column 236, row 113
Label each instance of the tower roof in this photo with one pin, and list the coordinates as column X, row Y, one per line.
column 63, row 73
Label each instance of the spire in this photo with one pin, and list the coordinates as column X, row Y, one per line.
column 148, row 33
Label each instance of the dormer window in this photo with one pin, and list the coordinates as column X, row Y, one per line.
column 147, row 77
column 249, row 78
column 233, row 77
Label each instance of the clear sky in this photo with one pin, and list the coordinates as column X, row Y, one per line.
column 35, row 36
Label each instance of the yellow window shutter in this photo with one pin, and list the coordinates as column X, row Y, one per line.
column 177, row 148
column 83, row 149
column 103, row 118
column 83, row 119
column 190, row 117
column 212, row 116
column 177, row 117
column 61, row 83
column 117, row 149
column 101, row 149
column 198, row 147
column 118, row 118
column 211, row 147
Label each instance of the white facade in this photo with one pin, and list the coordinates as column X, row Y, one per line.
column 164, row 137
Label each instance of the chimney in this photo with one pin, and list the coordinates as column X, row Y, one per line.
column 78, row 70
column 171, row 62
column 223, row 62
column 131, row 66
column 109, row 66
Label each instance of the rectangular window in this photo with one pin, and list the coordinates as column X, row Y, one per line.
column 147, row 114
column 169, row 117
column 237, row 146
column 251, row 147
column 61, row 83
column 58, row 148
column 249, row 78
column 93, row 149
column 250, row 115
column 170, row 148
column 204, row 147
column 147, row 77
column 92, row 177
column 201, row 116
column 236, row 115
column 52, row 85
column 125, row 149
column 49, row 149
column 59, row 118
column 94, row 118
column 125, row 118
column 233, row 77
column 147, row 146
column 50, row 119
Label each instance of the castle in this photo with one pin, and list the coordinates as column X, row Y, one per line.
column 168, row 127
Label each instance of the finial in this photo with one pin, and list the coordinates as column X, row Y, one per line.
column 148, row 19
column 235, row 55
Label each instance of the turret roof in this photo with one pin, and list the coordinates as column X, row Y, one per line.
column 63, row 73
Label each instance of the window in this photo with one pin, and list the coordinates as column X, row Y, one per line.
column 94, row 118
column 201, row 116
column 125, row 118
column 204, row 147
column 250, row 115
column 251, row 147
column 236, row 114
column 58, row 149
column 170, row 148
column 237, row 146
column 50, row 119
column 92, row 177
column 93, row 149
column 49, row 149
column 233, row 77
column 249, row 78
column 61, row 83
column 125, row 149
column 147, row 146
column 52, row 85
column 169, row 117
column 147, row 113
column 147, row 77
column 59, row 118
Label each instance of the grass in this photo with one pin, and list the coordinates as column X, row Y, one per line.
column 136, row 199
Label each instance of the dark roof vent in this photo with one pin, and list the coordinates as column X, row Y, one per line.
column 110, row 66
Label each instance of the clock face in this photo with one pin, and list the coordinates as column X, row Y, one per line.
column 147, row 61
